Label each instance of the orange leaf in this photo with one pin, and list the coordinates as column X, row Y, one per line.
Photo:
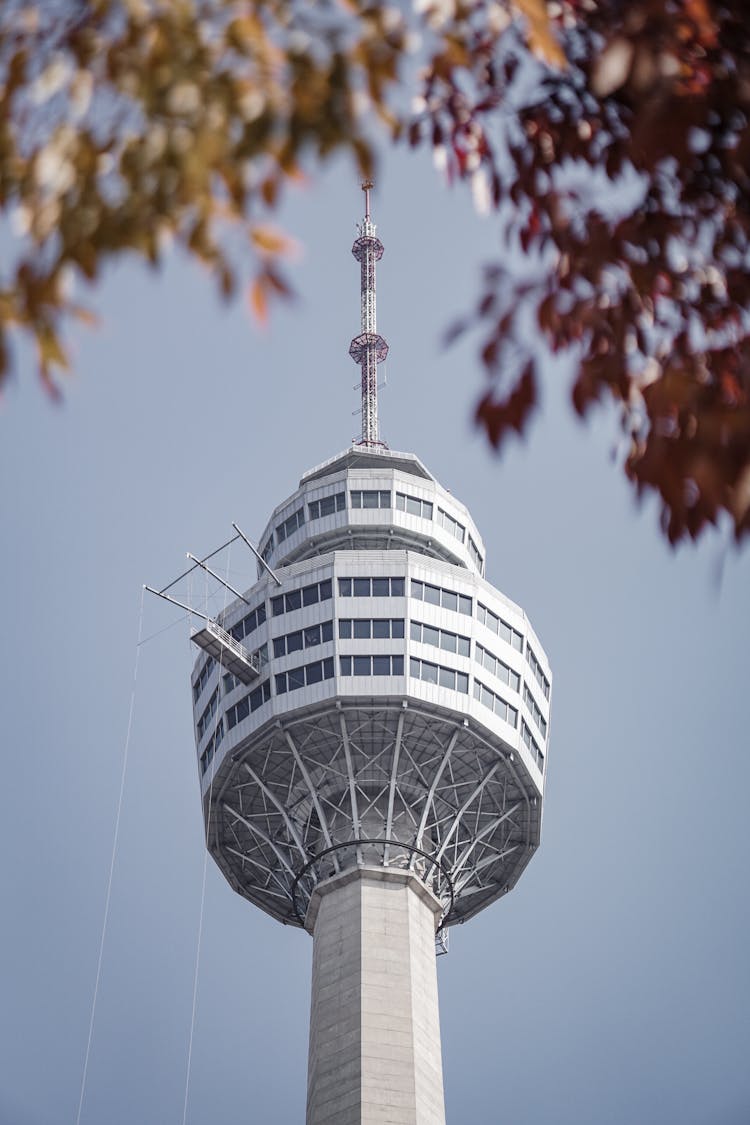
column 540, row 35
column 258, row 297
column 271, row 242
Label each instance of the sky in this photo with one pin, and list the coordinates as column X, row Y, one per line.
column 612, row 986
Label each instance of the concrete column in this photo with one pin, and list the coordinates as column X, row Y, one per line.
column 374, row 1023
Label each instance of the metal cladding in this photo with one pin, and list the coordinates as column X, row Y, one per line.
column 400, row 716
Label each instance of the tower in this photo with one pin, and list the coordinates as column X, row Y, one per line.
column 371, row 726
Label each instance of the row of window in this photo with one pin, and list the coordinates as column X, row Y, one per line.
column 440, row 638
column 213, row 745
column 366, row 628
column 437, row 674
column 288, row 526
column 376, row 665
column 372, row 587
column 447, row 521
column 476, row 557
column 304, row 675
column 370, row 498
column 308, row 595
column 505, row 631
column 249, row 622
column 326, row 506
column 414, row 506
column 536, row 668
column 532, row 744
column 495, row 703
column 365, row 665
column 250, row 703
column 437, row 595
column 536, row 713
column 303, row 638
column 389, row 587
column 497, row 667
column 203, row 678
column 208, row 712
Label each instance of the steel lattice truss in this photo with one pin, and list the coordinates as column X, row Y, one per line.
column 372, row 783
column 368, row 349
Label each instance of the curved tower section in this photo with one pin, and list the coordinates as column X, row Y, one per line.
column 372, row 720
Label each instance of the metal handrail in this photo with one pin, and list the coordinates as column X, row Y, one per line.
column 228, row 641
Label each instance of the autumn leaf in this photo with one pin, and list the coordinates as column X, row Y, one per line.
column 540, row 34
column 258, row 296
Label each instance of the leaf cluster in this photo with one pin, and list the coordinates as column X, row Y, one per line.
column 622, row 182
column 611, row 140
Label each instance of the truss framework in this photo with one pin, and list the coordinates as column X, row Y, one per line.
column 375, row 783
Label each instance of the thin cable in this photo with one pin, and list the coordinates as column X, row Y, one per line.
column 111, row 865
column 203, row 891
column 166, row 629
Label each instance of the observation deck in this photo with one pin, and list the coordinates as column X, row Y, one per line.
column 398, row 718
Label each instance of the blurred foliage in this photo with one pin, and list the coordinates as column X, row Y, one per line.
column 610, row 138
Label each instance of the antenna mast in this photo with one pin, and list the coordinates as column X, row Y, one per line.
column 368, row 349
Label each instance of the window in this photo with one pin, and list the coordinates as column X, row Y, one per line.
column 377, row 665
column 532, row 744
column 266, row 551
column 208, row 712
column 476, row 557
column 505, row 631
column 306, row 674
column 436, row 595
column 326, row 506
column 295, row 678
column 451, row 525
column 294, row 641
column 250, row 703
column 370, row 499
column 441, row 638
column 371, row 587
column 498, row 668
column 308, row 595
column 203, row 678
column 535, row 710
column 231, row 682
column 249, row 623
column 212, row 746
column 303, row 638
column 413, row 505
column 536, row 668
column 363, row 628
column 437, row 674
column 290, row 525
column 495, row 703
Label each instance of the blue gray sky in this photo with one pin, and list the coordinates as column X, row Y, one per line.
column 612, row 986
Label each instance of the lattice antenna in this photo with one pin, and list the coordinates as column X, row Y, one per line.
column 368, row 349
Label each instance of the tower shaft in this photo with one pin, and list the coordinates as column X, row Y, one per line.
column 374, row 1024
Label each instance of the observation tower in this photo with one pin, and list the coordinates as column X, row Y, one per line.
column 371, row 720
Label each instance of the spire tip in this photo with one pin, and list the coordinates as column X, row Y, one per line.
column 367, row 186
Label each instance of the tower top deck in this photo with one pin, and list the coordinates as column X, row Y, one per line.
column 361, row 458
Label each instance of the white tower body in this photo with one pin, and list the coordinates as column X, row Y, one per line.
column 371, row 738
